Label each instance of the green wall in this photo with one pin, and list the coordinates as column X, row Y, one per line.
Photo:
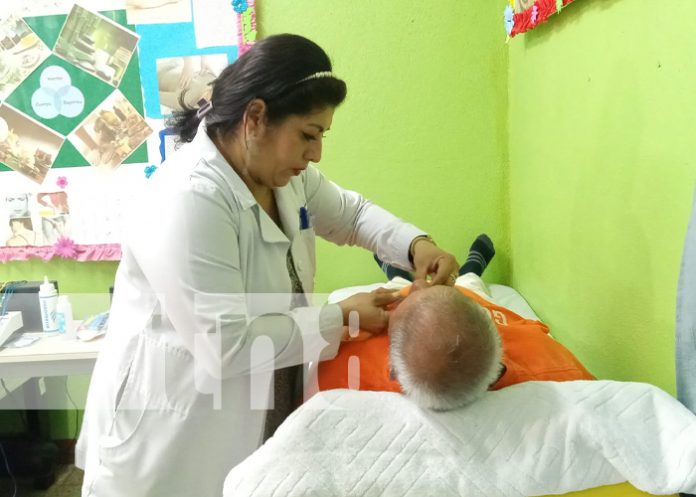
column 602, row 173
column 423, row 130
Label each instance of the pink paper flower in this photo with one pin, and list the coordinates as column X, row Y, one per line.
column 62, row 182
column 65, row 248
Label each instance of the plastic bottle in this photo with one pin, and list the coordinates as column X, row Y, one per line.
column 48, row 301
column 64, row 316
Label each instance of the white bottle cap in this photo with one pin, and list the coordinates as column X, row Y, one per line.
column 47, row 286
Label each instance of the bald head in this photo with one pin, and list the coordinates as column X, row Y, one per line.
column 444, row 348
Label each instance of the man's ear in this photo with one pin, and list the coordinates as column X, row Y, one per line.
column 255, row 121
column 503, row 370
column 392, row 373
column 419, row 284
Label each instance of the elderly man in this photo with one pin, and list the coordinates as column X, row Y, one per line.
column 443, row 348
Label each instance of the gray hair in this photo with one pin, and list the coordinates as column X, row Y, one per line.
column 444, row 348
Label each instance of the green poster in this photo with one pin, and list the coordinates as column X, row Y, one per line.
column 60, row 95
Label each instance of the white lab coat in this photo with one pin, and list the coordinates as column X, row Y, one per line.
column 178, row 393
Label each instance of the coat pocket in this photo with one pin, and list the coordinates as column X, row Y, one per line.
column 129, row 408
column 149, row 427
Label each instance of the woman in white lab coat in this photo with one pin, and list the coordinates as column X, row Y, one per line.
column 213, row 291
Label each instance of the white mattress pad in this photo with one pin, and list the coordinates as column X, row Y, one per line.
column 531, row 439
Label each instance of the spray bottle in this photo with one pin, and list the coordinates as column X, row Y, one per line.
column 48, row 300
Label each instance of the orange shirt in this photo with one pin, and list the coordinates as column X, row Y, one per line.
column 529, row 353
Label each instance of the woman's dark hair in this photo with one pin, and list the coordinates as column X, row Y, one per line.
column 272, row 70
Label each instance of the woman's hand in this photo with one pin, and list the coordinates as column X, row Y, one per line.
column 371, row 308
column 431, row 260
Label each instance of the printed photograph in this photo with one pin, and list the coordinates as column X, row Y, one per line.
column 96, row 44
column 158, row 11
column 34, row 219
column 27, row 146
column 186, row 79
column 17, row 205
column 21, row 233
column 55, row 216
column 111, row 133
column 54, row 212
column 21, row 51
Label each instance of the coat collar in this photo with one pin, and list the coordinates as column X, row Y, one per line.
column 286, row 197
column 210, row 153
column 289, row 210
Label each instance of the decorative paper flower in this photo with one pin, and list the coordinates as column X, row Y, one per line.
column 535, row 14
column 546, row 8
column 509, row 19
column 239, row 6
column 149, row 170
column 65, row 248
column 62, row 182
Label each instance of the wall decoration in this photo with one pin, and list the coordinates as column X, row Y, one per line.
column 162, row 66
column 111, row 132
column 186, row 79
column 522, row 15
column 158, row 11
column 59, row 95
column 247, row 23
column 96, row 45
column 26, row 146
column 211, row 25
column 21, row 50
column 85, row 90
column 44, row 221
column 158, row 54
column 56, row 102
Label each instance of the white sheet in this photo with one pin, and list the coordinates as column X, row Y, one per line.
column 532, row 439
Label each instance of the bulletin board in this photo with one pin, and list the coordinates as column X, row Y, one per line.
column 85, row 91
column 522, row 15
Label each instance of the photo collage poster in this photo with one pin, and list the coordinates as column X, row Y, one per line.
column 85, row 92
